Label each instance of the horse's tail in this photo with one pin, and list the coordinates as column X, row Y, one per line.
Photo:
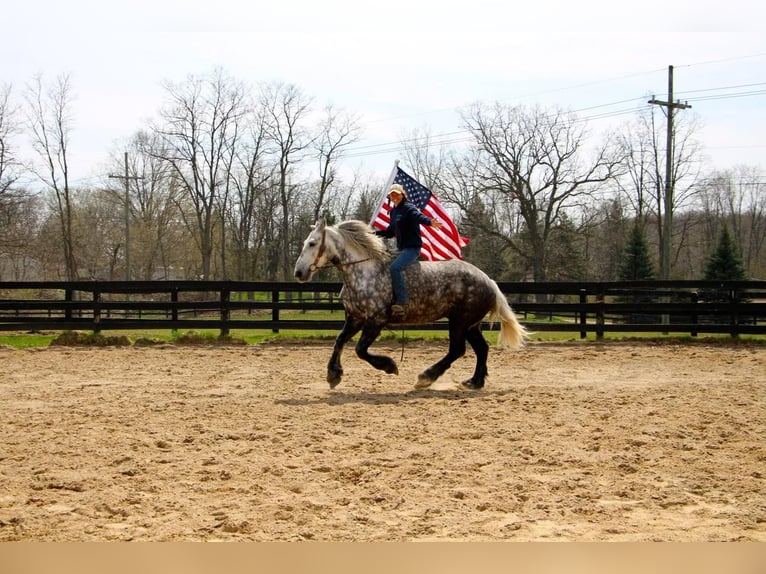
column 512, row 333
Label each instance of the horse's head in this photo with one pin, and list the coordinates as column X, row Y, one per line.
column 314, row 254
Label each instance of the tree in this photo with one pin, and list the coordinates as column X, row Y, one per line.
column 566, row 251
column 636, row 264
column 50, row 124
column 725, row 262
column 199, row 132
column 604, row 237
column 530, row 167
column 11, row 197
column 338, row 130
column 253, row 206
column 368, row 194
column 485, row 250
column 737, row 197
column 20, row 223
column 153, row 200
column 644, row 186
column 426, row 157
column 100, row 229
column 9, row 129
column 286, row 109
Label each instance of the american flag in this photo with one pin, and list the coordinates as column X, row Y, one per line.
column 438, row 244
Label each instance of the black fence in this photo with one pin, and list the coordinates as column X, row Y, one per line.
column 690, row 307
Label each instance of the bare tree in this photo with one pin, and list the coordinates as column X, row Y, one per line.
column 199, row 134
column 50, row 125
column 364, row 202
column 99, row 229
column 286, row 108
column 253, row 206
column 643, row 148
column 639, row 184
column 338, row 130
column 735, row 198
column 9, row 167
column 9, row 129
column 152, row 204
column 529, row 165
column 426, row 157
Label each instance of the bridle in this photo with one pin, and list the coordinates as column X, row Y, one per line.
column 313, row 268
column 334, row 262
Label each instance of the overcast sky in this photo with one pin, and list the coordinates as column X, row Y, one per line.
column 400, row 65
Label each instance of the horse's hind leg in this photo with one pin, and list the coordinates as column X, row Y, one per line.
column 481, row 348
column 456, row 350
column 370, row 332
column 334, row 368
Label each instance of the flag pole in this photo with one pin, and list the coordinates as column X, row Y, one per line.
column 389, row 182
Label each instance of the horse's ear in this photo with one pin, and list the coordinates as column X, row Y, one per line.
column 320, row 224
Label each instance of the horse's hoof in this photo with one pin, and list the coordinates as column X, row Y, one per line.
column 334, row 378
column 423, row 382
column 470, row 384
column 391, row 369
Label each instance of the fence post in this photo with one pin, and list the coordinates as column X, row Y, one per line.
column 583, row 314
column 174, row 309
column 695, row 316
column 275, row 309
column 225, row 312
column 600, row 316
column 734, row 313
column 69, row 298
column 96, row 310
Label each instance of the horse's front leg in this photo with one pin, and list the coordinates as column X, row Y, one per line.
column 370, row 332
column 334, row 368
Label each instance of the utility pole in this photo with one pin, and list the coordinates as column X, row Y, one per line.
column 667, row 226
column 127, row 179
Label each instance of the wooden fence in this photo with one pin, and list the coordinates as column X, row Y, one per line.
column 689, row 307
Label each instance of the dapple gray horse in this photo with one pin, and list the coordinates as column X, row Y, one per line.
column 454, row 289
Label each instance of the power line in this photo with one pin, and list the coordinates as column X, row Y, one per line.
column 729, row 96
column 721, row 60
column 724, row 88
column 589, row 84
column 397, row 146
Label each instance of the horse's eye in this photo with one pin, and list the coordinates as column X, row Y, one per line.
column 312, row 243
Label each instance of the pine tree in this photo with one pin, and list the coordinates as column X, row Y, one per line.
column 725, row 263
column 636, row 265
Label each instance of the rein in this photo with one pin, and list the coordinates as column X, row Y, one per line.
column 314, row 267
column 330, row 265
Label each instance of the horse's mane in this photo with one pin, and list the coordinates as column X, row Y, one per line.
column 358, row 234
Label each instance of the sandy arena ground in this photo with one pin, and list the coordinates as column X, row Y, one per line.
column 582, row 442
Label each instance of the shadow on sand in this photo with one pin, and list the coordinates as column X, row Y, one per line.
column 336, row 397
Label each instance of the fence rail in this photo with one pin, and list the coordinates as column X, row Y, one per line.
column 692, row 307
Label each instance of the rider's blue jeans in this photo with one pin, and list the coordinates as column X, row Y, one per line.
column 404, row 258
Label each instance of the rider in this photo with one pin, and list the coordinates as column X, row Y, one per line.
column 405, row 222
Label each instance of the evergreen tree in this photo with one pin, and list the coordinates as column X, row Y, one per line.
column 725, row 263
column 636, row 265
column 566, row 260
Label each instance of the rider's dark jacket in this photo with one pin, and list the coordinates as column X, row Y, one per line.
column 406, row 220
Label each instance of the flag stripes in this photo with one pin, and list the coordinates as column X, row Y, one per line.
column 438, row 244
